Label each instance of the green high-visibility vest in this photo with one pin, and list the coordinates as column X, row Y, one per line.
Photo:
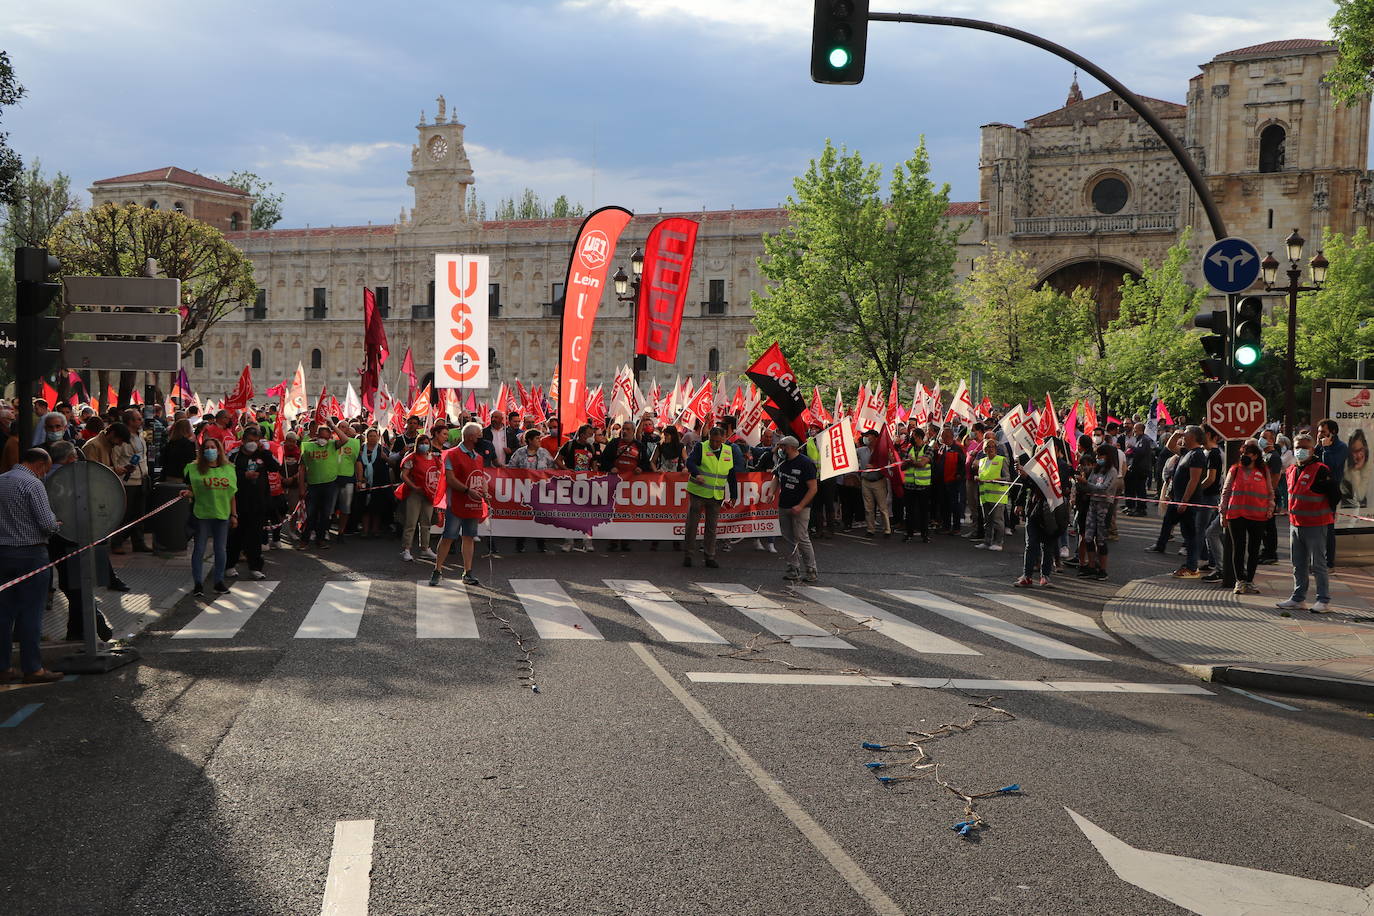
column 715, row 470
column 814, row 453
column 914, row 476
column 991, row 488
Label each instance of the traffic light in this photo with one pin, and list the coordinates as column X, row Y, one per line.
column 1216, row 344
column 1246, row 348
column 838, row 40
column 37, row 326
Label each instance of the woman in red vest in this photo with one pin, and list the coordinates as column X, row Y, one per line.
column 1247, row 504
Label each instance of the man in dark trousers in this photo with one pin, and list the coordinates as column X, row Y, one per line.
column 26, row 523
column 253, row 462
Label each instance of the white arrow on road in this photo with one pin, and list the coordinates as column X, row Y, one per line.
column 1231, row 263
column 1217, row 889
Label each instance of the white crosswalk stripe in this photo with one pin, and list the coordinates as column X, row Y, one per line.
column 444, row 612
column 554, row 614
column 995, row 626
column 937, row 683
column 226, row 615
column 337, row 611
column 672, row 621
column 884, row 622
column 1036, row 608
column 773, row 617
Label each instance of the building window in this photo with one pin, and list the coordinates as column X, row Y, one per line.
column 255, row 360
column 494, row 299
column 715, row 298
column 1272, row 141
column 382, row 296
column 713, row 360
column 152, row 205
column 199, row 361
column 1271, row 219
column 234, row 221
column 1109, row 195
column 179, row 207
column 430, row 301
column 259, row 310
column 316, row 359
column 319, row 305
column 554, row 308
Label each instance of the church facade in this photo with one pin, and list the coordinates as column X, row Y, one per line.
column 1087, row 191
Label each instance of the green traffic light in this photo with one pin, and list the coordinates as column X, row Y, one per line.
column 839, row 58
column 1247, row 355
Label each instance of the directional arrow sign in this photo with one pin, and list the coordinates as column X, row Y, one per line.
column 1232, row 265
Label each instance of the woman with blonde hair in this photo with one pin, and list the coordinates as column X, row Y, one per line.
column 212, row 484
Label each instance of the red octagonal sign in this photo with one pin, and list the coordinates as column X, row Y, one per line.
column 1236, row 411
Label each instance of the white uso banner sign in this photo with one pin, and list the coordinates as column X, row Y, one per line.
column 460, row 320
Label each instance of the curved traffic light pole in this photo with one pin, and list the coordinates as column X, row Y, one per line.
column 1102, row 76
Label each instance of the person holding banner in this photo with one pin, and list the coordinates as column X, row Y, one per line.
column 1033, row 506
column 530, row 457
column 711, row 469
column 465, row 484
column 797, row 487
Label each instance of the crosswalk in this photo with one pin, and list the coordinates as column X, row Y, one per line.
column 450, row 612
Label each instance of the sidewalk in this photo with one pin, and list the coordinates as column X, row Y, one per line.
column 157, row 582
column 1245, row 641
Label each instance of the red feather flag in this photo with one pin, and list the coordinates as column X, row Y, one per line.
column 243, row 392
column 375, row 349
column 408, row 367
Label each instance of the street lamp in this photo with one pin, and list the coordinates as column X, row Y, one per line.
column 624, row 284
column 1269, row 268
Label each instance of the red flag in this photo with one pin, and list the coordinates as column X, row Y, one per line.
column 332, row 408
column 470, row 405
column 420, row 406
column 50, row 395
column 886, row 454
column 508, row 403
column 700, row 405
column 375, row 349
column 1049, row 424
column 737, row 402
column 320, row 403
column 596, row 407
column 984, row 408
column 1163, row 414
column 1089, row 418
column 243, row 391
column 892, row 398
column 817, row 408
column 667, row 276
column 484, row 414
column 586, row 280
column 111, row 397
column 524, row 397
column 1071, row 428
column 276, row 391
column 408, row 367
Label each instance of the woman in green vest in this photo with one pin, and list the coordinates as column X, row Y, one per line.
column 212, row 483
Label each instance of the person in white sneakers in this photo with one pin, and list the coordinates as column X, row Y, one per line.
column 1312, row 497
column 420, row 470
column 994, row 483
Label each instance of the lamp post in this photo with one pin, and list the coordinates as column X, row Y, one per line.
column 624, row 284
column 1269, row 267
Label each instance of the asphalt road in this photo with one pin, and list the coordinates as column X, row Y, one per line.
column 209, row 778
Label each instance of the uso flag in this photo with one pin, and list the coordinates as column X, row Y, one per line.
column 587, row 269
column 667, row 270
column 773, row 377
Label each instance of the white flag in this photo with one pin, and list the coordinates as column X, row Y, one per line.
column 962, row 407
column 837, row 452
column 750, row 425
column 295, row 395
column 452, row 409
column 622, row 397
column 352, row 405
column 1016, row 429
column 1044, row 470
column 870, row 414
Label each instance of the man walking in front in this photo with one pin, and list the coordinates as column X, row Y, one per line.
column 467, row 504
column 1312, row 498
column 711, row 469
column 797, row 487
column 26, row 523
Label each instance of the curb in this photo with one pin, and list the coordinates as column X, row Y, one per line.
column 1262, row 679
column 1239, row 675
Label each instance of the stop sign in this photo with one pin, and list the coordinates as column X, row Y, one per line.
column 1236, row 411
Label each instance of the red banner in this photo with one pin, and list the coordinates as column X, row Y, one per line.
column 667, row 274
column 587, row 269
column 243, row 392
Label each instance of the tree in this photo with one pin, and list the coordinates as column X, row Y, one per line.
column 116, row 241
column 531, row 206
column 562, row 209
column 266, row 203
column 1353, row 31
column 860, row 285
column 1336, row 323
column 10, row 163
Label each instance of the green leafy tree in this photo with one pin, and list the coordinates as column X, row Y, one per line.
column 1336, row 323
column 529, row 205
column 267, row 204
column 860, row 284
column 562, row 209
column 1353, row 26
column 10, row 164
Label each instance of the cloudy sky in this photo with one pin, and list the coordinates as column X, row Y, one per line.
column 672, row 104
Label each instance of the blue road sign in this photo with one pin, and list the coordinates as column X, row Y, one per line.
column 1231, row 265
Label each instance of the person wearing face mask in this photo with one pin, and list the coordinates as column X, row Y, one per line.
column 252, row 463
column 376, row 500
column 1099, row 483
column 1247, row 505
column 319, row 482
column 578, row 454
column 994, row 482
column 530, row 457
column 1333, row 453
column 419, row 471
column 1273, row 463
column 212, row 485
column 1312, row 498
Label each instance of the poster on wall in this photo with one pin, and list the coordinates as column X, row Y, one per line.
column 1351, row 405
column 460, row 320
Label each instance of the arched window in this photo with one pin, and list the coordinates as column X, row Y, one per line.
column 199, row 360
column 713, row 360
column 234, row 220
column 179, row 207
column 256, row 359
column 316, row 359
column 1272, row 141
column 152, row 205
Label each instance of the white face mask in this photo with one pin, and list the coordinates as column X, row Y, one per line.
column 321, row 440
column 211, row 454
column 1302, row 454
column 250, row 447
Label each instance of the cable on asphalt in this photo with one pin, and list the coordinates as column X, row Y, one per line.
column 524, row 662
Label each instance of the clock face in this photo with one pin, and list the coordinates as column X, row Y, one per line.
column 438, row 148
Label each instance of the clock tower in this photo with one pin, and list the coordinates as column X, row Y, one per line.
column 440, row 172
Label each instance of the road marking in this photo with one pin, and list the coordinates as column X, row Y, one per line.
column 672, row 621
column 350, row 869
column 833, row 853
column 1357, row 820
column 444, row 612
column 226, row 615
column 1255, row 696
column 1037, row 608
column 773, row 617
column 954, row 683
column 885, row 622
column 20, row 715
column 337, row 611
column 996, row 627
column 554, row 614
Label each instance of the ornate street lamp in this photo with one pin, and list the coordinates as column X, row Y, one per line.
column 1269, row 268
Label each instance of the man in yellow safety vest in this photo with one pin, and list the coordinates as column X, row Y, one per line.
column 711, row 483
column 994, row 480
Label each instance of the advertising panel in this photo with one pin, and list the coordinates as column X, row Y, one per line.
column 460, row 320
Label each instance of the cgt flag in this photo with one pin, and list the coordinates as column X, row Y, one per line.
column 667, row 274
column 773, row 377
column 586, row 280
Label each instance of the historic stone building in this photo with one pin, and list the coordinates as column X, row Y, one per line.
column 1088, row 191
